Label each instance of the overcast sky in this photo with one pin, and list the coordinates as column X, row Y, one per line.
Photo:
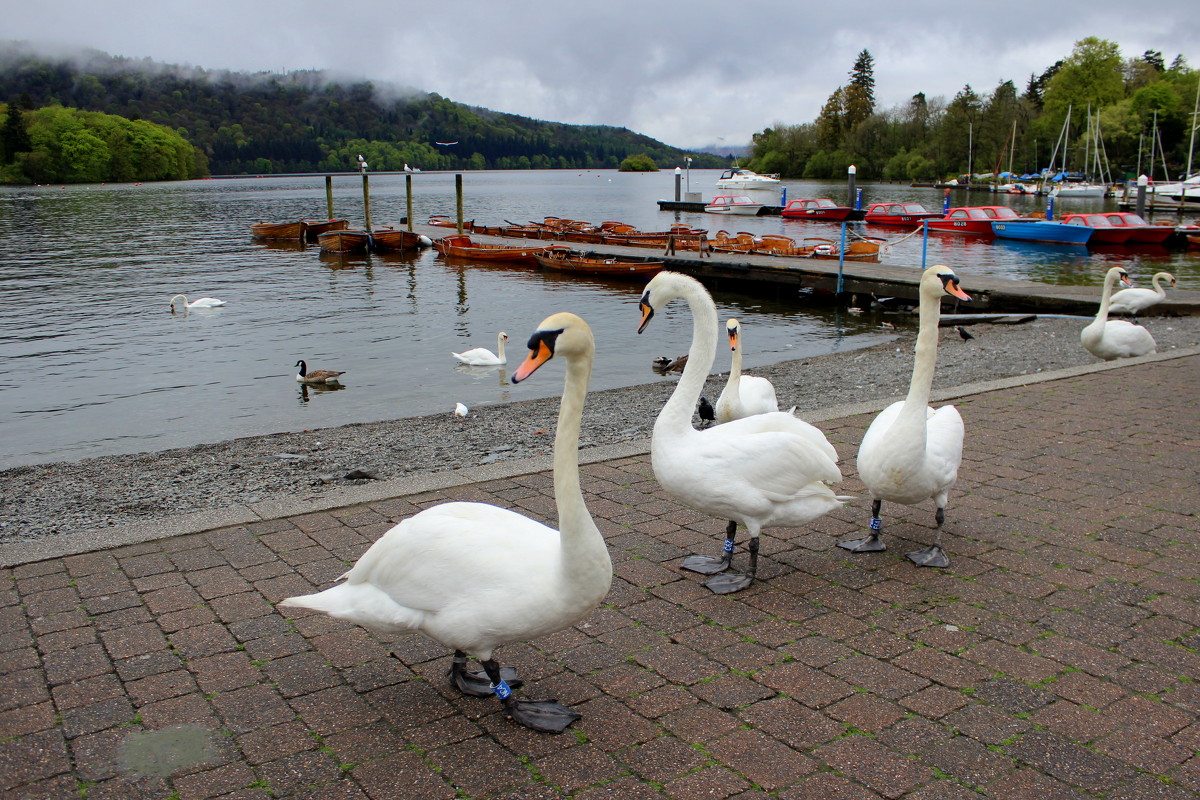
column 688, row 73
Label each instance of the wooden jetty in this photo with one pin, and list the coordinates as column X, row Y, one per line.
column 818, row 280
column 765, row 211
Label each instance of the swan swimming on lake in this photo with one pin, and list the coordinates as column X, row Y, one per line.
column 203, row 302
column 482, row 357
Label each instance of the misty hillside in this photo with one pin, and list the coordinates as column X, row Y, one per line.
column 309, row 121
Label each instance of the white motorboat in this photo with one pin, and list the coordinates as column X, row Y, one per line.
column 1188, row 188
column 1081, row 189
column 765, row 189
column 733, row 204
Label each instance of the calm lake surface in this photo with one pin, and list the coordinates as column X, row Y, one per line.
column 92, row 363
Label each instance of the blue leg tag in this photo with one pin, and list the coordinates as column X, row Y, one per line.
column 502, row 691
column 729, row 545
column 876, row 523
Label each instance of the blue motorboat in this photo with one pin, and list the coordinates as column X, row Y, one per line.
column 1042, row 231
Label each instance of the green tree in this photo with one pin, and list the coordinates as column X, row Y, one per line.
column 14, row 135
column 831, row 122
column 859, row 97
column 1091, row 76
column 638, row 163
column 956, row 133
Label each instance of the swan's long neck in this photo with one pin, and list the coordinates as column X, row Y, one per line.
column 735, row 368
column 582, row 543
column 924, row 360
column 500, row 351
column 1158, row 290
column 1102, row 313
column 676, row 415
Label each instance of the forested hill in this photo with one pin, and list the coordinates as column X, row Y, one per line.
column 308, row 121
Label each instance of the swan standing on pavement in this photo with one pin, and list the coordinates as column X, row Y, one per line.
column 911, row 452
column 1115, row 338
column 743, row 395
column 768, row 469
column 1133, row 301
column 482, row 357
column 474, row 576
column 203, row 302
column 317, row 376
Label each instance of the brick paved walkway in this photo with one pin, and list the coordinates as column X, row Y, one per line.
column 1057, row 657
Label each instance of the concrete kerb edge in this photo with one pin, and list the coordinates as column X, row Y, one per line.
column 17, row 553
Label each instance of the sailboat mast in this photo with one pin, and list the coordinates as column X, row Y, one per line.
column 1012, row 151
column 1192, row 142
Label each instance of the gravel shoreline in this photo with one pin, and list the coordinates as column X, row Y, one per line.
column 54, row 499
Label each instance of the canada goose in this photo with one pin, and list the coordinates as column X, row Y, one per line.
column 317, row 376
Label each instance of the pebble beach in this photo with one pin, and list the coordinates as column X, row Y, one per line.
column 54, row 499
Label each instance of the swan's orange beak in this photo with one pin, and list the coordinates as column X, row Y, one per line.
column 535, row 359
column 1125, row 281
column 733, row 338
column 647, row 314
column 954, row 289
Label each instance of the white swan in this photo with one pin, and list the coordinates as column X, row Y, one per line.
column 743, row 395
column 1131, row 301
column 1115, row 338
column 317, row 376
column 482, row 357
column 768, row 469
column 203, row 302
column 911, row 452
column 475, row 576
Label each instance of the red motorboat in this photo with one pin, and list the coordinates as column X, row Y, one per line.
column 972, row 220
column 1103, row 230
column 821, row 208
column 1142, row 231
column 899, row 213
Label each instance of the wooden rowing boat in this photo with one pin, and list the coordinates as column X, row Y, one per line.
column 462, row 246
column 345, row 241
column 443, row 221
column 312, row 230
column 564, row 259
column 279, row 230
column 397, row 239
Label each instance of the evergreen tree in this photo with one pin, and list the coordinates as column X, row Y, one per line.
column 14, row 136
column 860, row 94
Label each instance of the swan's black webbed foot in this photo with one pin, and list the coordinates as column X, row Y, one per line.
column 707, row 565
column 729, row 582
column 546, row 716
column 872, row 543
column 933, row 556
column 475, row 683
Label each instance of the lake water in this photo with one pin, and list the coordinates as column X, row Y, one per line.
column 92, row 363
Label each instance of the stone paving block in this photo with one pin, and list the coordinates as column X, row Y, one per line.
column 874, row 765
column 1090, row 771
